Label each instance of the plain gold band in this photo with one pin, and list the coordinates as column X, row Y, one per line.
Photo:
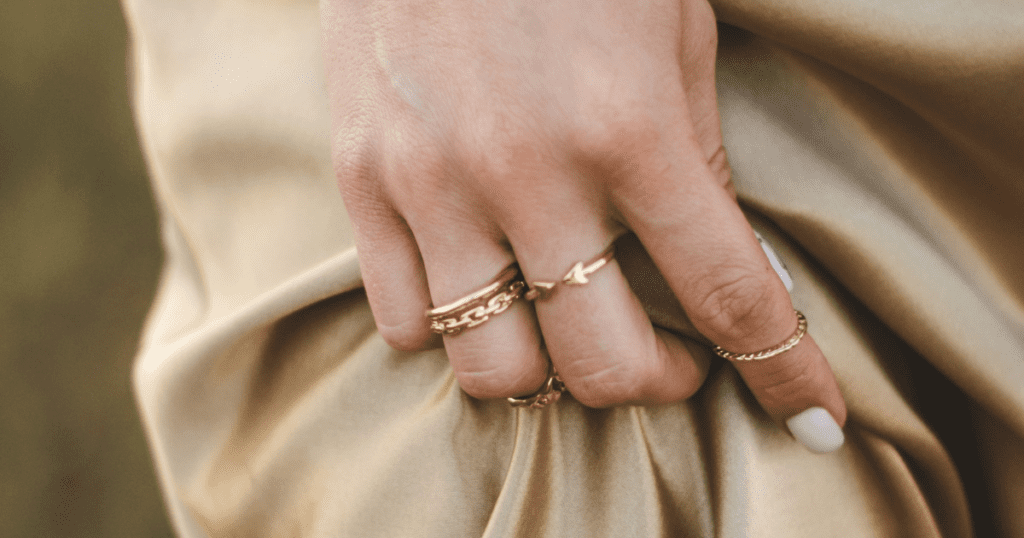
column 790, row 343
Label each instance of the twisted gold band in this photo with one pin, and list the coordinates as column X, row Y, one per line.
column 801, row 330
column 479, row 306
column 549, row 393
column 577, row 276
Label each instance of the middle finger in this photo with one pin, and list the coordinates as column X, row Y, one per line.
column 597, row 334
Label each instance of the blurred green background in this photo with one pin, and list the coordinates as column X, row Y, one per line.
column 79, row 257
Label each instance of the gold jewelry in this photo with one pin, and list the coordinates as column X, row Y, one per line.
column 801, row 330
column 577, row 276
column 549, row 393
column 479, row 306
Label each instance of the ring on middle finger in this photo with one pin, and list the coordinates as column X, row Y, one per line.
column 577, row 276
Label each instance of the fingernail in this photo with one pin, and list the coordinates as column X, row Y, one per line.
column 773, row 258
column 817, row 430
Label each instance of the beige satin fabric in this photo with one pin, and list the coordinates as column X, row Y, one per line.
column 877, row 145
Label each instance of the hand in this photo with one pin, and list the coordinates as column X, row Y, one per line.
column 469, row 134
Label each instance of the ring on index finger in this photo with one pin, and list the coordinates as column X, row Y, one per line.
column 790, row 343
column 479, row 306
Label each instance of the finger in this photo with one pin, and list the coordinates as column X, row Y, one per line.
column 501, row 357
column 393, row 275
column 598, row 336
column 697, row 67
column 697, row 54
column 703, row 245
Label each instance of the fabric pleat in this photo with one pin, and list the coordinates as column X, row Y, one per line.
column 876, row 145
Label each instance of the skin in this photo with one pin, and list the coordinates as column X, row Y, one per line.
column 469, row 134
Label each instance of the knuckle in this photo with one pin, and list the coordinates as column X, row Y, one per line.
column 502, row 159
column 497, row 374
column 734, row 304
column 692, row 369
column 354, row 175
column 412, row 156
column 353, row 155
column 693, row 381
column 413, row 176
column 786, row 378
column 496, row 383
column 623, row 382
column 411, row 335
column 701, row 39
column 720, row 168
column 613, row 136
column 490, row 166
column 482, row 385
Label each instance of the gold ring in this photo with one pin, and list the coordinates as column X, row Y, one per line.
column 801, row 330
column 479, row 306
column 577, row 276
column 549, row 393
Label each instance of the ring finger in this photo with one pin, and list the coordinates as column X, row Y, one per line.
column 500, row 355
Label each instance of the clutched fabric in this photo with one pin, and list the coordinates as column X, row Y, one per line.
column 877, row 158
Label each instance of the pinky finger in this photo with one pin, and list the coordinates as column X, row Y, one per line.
column 395, row 281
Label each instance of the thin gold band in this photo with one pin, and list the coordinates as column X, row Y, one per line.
column 479, row 306
column 790, row 343
column 577, row 276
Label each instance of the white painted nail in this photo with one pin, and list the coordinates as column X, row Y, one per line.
column 773, row 258
column 817, row 430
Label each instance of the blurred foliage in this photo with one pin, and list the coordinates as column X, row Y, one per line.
column 79, row 257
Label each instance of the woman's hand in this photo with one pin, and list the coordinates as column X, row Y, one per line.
column 469, row 134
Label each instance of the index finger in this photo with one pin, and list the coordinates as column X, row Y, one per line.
column 706, row 250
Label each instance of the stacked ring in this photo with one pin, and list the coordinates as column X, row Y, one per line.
column 479, row 306
column 496, row 297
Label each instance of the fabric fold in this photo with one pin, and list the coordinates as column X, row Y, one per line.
column 874, row 144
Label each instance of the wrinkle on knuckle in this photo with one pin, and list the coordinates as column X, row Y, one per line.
column 785, row 379
column 620, row 382
column 489, row 368
column 732, row 304
column 482, row 385
column 502, row 381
